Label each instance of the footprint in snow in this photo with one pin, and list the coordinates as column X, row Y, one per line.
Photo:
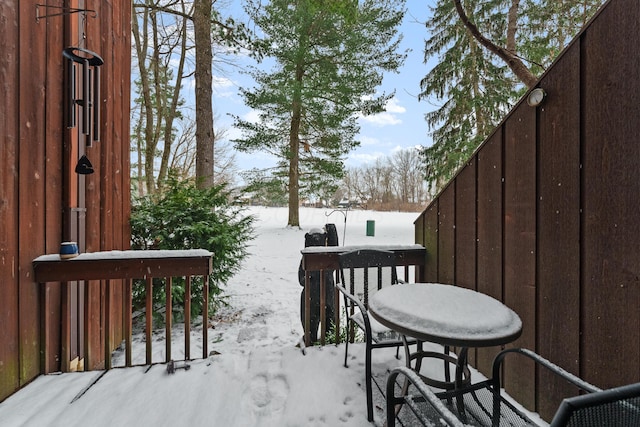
column 269, row 394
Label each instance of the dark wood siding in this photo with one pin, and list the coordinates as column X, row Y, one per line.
column 489, row 223
column 520, row 240
column 9, row 82
column 611, row 184
column 446, row 234
column 42, row 201
column 558, row 227
column 465, row 223
column 552, row 197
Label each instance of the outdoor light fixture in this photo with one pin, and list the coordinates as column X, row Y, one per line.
column 536, row 96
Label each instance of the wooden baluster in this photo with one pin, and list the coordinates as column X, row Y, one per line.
column 149, row 318
column 167, row 321
column 205, row 318
column 107, row 325
column 128, row 313
column 323, row 304
column 187, row 318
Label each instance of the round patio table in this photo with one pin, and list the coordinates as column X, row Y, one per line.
column 448, row 315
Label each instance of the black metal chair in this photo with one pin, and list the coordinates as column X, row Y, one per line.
column 362, row 273
column 482, row 404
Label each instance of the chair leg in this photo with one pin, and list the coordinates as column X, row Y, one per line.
column 346, row 350
column 368, row 381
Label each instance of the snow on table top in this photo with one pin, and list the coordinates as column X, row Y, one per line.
column 121, row 255
column 445, row 312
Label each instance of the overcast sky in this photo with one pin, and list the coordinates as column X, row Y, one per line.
column 402, row 126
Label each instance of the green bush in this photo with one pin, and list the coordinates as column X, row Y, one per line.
column 185, row 217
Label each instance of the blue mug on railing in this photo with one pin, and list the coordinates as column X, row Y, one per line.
column 68, row 250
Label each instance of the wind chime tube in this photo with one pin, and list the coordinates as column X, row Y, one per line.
column 86, row 97
column 95, row 103
column 71, row 94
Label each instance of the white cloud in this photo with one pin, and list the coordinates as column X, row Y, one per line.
column 222, row 82
column 252, row 116
column 394, row 107
column 361, row 159
column 368, row 141
column 388, row 117
column 381, row 119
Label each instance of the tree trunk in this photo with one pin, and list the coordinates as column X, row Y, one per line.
column 204, row 93
column 172, row 109
column 294, row 148
column 294, row 177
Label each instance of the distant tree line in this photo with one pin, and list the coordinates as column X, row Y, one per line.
column 394, row 182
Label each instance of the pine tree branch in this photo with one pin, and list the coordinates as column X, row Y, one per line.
column 509, row 57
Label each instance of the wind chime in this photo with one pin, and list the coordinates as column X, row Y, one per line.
column 84, row 67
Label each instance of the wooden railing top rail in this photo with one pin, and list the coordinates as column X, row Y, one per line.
column 123, row 265
column 326, row 257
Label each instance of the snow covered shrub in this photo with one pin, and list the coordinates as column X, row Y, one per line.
column 185, row 217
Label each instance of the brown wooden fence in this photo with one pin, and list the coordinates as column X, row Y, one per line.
column 545, row 215
column 42, row 200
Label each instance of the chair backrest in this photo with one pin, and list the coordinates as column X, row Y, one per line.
column 615, row 407
column 365, row 271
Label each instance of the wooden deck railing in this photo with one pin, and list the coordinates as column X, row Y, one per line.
column 122, row 265
column 320, row 258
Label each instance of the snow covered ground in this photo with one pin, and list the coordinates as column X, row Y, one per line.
column 256, row 376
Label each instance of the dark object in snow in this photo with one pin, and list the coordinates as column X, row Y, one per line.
column 319, row 237
column 173, row 366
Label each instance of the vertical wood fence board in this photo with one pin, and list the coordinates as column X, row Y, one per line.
column 446, row 235
column 53, row 171
column 520, row 243
column 9, row 141
column 419, row 231
column 431, row 242
column 558, row 265
column 94, row 214
column 611, row 184
column 124, row 93
column 465, row 224
column 105, row 151
column 489, row 217
column 119, row 98
column 31, row 172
